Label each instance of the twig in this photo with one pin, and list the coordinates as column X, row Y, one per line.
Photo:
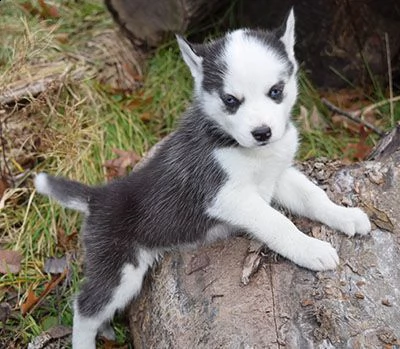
column 43, row 76
column 389, row 65
column 6, row 170
column 371, row 107
column 352, row 116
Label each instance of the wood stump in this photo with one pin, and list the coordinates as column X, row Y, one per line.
column 237, row 294
column 151, row 22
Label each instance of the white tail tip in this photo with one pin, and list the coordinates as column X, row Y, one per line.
column 41, row 183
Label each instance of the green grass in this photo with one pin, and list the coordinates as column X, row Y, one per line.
column 79, row 125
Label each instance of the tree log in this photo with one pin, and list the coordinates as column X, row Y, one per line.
column 338, row 41
column 150, row 22
column 237, row 294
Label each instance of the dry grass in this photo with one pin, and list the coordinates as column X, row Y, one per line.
column 62, row 132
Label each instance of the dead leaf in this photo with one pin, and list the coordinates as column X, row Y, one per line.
column 109, row 344
column 44, row 10
column 379, row 218
column 5, row 312
column 146, row 116
column 303, row 117
column 120, row 166
column 57, row 332
column 358, row 151
column 10, row 262
column 47, row 11
column 67, row 242
column 138, row 102
column 32, row 300
column 316, row 120
column 29, row 8
column 63, row 38
column 44, row 339
column 349, row 99
column 55, row 265
column 311, row 120
column 250, row 266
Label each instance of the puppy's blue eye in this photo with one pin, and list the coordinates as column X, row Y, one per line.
column 230, row 101
column 276, row 92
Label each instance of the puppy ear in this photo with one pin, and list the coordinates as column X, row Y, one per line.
column 190, row 56
column 288, row 36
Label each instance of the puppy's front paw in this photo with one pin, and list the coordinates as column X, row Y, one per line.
column 352, row 221
column 316, row 255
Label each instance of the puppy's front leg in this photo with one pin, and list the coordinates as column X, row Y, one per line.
column 246, row 209
column 297, row 193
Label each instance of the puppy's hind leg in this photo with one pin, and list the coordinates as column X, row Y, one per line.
column 92, row 315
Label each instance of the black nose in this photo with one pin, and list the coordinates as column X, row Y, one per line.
column 262, row 134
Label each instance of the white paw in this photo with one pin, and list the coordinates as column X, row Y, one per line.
column 316, row 255
column 351, row 221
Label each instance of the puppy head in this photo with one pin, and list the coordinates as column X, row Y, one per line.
column 246, row 81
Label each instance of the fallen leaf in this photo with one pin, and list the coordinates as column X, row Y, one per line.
column 57, row 332
column 109, row 344
column 360, row 150
column 120, row 166
column 137, row 102
column 29, row 8
column 55, row 265
column 303, row 118
column 379, row 218
column 47, row 11
column 44, row 339
column 146, row 116
column 316, row 120
column 250, row 266
column 347, row 98
column 67, row 242
column 10, row 262
column 63, row 38
column 32, row 300
column 5, row 312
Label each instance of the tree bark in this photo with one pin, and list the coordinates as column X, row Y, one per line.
column 237, row 294
column 151, row 22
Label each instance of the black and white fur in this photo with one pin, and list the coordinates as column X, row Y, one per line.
column 230, row 157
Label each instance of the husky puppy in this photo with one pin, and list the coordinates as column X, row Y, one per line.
column 230, row 157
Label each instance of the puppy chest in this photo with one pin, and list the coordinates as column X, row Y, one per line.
column 251, row 168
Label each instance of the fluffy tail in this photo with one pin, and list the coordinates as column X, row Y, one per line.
column 68, row 193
